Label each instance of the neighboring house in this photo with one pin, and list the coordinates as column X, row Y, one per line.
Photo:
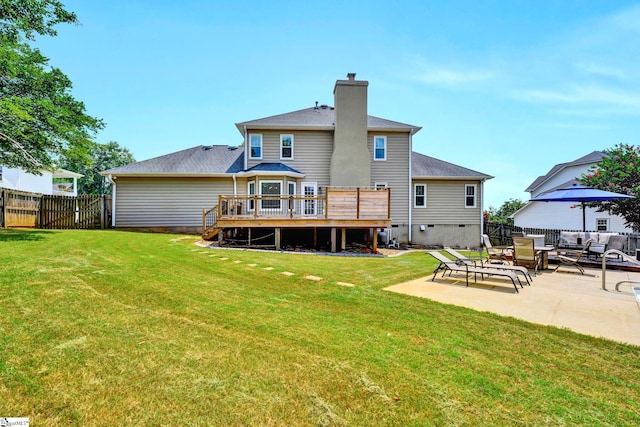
column 565, row 215
column 321, row 173
column 60, row 182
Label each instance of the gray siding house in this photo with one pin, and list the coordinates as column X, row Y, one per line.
column 321, row 173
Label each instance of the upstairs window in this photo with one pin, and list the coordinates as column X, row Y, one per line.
column 379, row 148
column 255, row 146
column 470, row 195
column 286, row 146
column 602, row 224
column 420, row 196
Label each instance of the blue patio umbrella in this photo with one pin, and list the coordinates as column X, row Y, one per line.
column 579, row 193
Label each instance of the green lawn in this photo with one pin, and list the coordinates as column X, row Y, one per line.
column 109, row 328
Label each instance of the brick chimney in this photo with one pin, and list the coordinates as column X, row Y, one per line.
column 350, row 161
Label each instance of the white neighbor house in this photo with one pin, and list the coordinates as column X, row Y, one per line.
column 565, row 215
column 20, row 180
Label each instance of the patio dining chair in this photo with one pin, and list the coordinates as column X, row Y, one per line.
column 525, row 254
column 568, row 261
column 494, row 253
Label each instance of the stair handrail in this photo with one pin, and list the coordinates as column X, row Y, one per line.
column 209, row 225
column 604, row 267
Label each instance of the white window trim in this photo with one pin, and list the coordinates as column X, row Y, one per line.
column 261, row 146
column 606, row 221
column 267, row 181
column 384, row 138
column 475, row 196
column 249, row 194
column 380, row 184
column 415, row 196
column 281, row 147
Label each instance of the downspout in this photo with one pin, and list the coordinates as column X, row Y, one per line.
column 113, row 201
column 410, row 184
column 235, row 187
column 481, row 209
column 246, row 148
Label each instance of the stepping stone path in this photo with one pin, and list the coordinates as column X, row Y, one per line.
column 351, row 285
column 286, row 273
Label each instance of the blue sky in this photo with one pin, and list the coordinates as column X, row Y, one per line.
column 507, row 88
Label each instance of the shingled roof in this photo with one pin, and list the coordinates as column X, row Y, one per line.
column 200, row 160
column 593, row 157
column 319, row 118
column 429, row 167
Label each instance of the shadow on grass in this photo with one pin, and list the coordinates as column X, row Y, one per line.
column 16, row 234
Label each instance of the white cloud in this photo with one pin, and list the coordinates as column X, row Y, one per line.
column 450, row 77
column 586, row 94
column 603, row 70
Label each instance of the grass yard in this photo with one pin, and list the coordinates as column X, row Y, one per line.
column 113, row 328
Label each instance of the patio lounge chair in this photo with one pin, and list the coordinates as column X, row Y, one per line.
column 567, row 261
column 525, row 254
column 472, row 262
column 447, row 264
column 494, row 253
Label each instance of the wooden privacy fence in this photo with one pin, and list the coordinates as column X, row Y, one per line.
column 21, row 209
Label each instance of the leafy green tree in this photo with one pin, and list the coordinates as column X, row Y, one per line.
column 501, row 215
column 103, row 157
column 27, row 17
column 618, row 172
column 39, row 118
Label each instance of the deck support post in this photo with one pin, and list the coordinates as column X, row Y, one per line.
column 333, row 239
column 249, row 236
column 375, row 240
column 220, row 237
column 315, row 237
column 277, row 234
column 343, row 243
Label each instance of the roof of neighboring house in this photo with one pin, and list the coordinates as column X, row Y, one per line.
column 593, row 157
column 200, row 160
column 428, row 167
column 319, row 118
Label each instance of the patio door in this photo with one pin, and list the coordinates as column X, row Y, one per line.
column 310, row 190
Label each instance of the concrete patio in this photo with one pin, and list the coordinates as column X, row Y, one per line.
column 564, row 299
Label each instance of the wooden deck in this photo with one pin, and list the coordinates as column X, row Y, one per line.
column 340, row 208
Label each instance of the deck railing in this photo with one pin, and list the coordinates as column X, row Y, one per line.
column 337, row 203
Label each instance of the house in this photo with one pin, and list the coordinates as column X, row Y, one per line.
column 323, row 174
column 59, row 182
column 565, row 215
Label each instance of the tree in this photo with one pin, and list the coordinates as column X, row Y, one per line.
column 40, row 120
column 32, row 16
column 618, row 172
column 502, row 214
column 103, row 157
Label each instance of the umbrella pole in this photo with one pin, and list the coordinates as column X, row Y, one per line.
column 584, row 222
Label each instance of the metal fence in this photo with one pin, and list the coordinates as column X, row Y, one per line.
column 501, row 234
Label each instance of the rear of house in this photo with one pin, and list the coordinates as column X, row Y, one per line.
column 293, row 174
